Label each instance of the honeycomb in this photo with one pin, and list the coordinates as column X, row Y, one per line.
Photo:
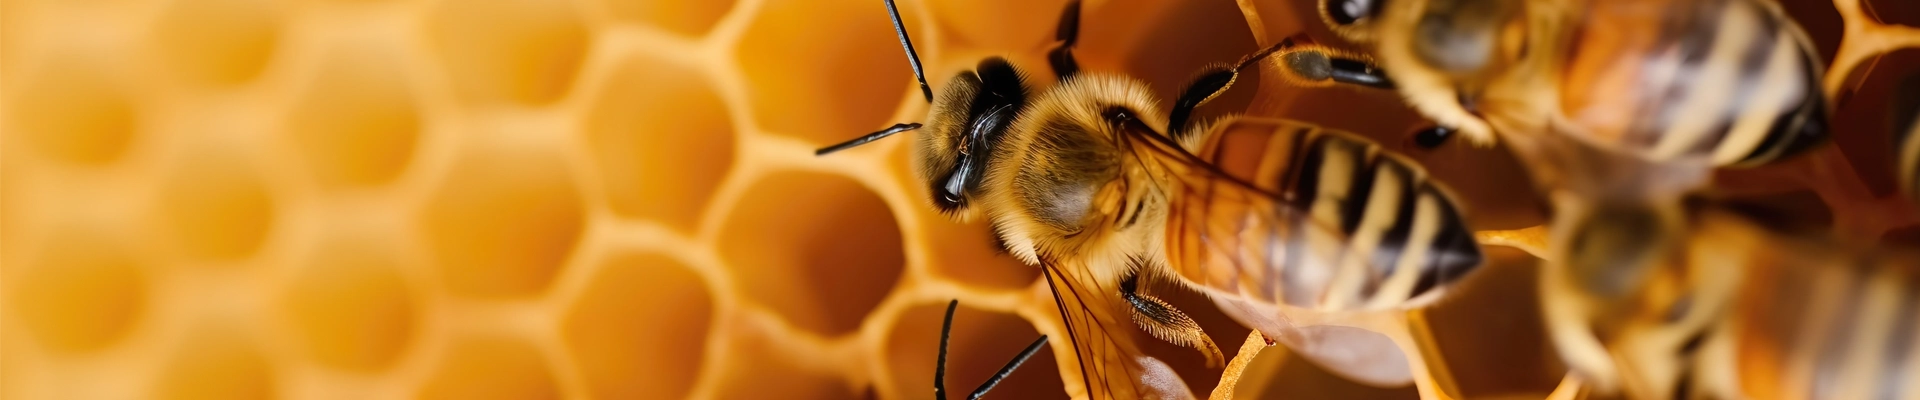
column 316, row 199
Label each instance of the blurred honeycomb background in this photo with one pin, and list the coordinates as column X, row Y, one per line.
column 516, row 199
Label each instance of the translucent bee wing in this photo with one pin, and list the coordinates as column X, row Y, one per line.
column 1106, row 359
column 1357, row 354
column 1326, row 277
column 1287, row 213
column 1158, row 380
column 1354, row 353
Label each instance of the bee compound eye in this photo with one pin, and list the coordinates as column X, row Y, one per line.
column 1117, row 115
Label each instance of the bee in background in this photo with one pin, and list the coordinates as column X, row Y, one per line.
column 1619, row 108
column 940, row 370
column 1680, row 86
column 1277, row 221
column 1739, row 311
column 1734, row 82
column 1647, row 334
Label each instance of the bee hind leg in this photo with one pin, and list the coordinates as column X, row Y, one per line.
column 1164, row 322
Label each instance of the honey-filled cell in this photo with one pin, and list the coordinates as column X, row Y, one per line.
column 1167, row 48
column 358, row 122
column 218, row 361
column 352, row 307
column 74, row 109
column 690, row 18
column 219, row 42
column 216, row 205
column 491, row 367
column 969, row 254
column 514, row 51
column 980, row 343
column 84, row 290
column 998, row 24
column 758, row 371
column 662, row 139
column 824, row 71
column 504, row 222
column 640, row 328
column 820, row 250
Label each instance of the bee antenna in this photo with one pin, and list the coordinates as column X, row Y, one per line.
column 940, row 370
column 912, row 57
column 946, row 330
column 1008, row 369
column 864, row 139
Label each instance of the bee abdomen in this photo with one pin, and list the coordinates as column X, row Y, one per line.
column 1368, row 229
column 1834, row 331
column 1731, row 80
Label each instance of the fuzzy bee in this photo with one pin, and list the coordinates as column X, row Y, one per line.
column 940, row 369
column 1620, row 109
column 1736, row 310
column 1282, row 223
column 1619, row 104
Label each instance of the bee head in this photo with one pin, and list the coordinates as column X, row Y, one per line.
column 964, row 128
column 1467, row 37
column 965, row 124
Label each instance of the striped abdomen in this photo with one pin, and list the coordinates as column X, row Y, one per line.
column 1335, row 223
column 1847, row 328
column 1733, row 80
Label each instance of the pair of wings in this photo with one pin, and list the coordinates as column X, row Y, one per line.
column 1111, row 364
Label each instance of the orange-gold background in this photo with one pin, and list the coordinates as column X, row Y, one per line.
column 308, row 199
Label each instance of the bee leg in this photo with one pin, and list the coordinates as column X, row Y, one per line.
column 1315, row 66
column 1161, row 320
column 940, row 370
column 1210, row 83
column 1068, row 32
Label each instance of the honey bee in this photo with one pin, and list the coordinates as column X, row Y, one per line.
column 1679, row 85
column 1620, row 109
column 1738, row 311
column 1277, row 221
column 1734, row 82
column 940, row 370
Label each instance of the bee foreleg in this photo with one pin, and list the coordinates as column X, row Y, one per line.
column 1061, row 57
column 1161, row 320
column 1312, row 65
column 1210, row 83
